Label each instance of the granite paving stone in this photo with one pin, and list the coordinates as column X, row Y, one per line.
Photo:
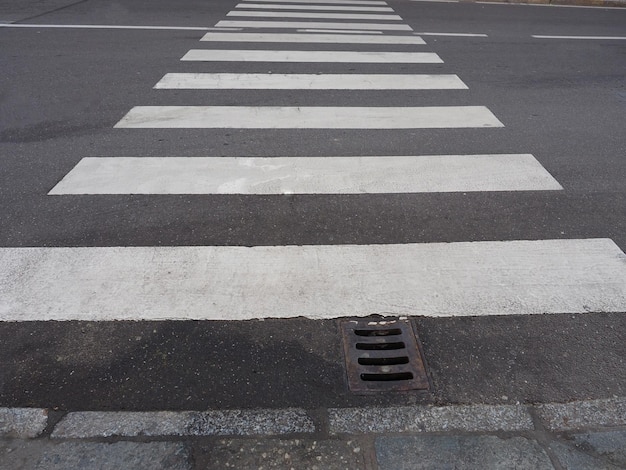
column 611, row 445
column 22, row 422
column 44, row 454
column 308, row 454
column 584, row 414
column 430, row 419
column 190, row 423
column 460, row 453
column 571, row 458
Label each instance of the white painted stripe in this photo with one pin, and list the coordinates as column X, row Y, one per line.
column 600, row 38
column 313, row 24
column 463, row 35
column 277, row 81
column 239, row 283
column 330, row 2
column 323, row 16
column 594, row 7
column 341, row 31
column 110, row 26
column 436, row 1
column 318, row 117
column 274, row 6
column 253, row 55
column 312, row 38
column 306, row 175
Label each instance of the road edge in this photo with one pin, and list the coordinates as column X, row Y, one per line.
column 29, row 423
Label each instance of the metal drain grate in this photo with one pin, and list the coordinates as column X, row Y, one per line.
column 382, row 356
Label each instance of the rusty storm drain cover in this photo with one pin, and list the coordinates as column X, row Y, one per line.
column 382, row 355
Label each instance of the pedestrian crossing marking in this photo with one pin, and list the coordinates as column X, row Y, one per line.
column 327, row 16
column 276, row 6
column 342, row 31
column 312, row 38
column 312, row 24
column 461, row 35
column 314, row 117
column 322, row 281
column 115, row 26
column 368, row 57
column 330, row 2
column 306, row 175
column 277, row 81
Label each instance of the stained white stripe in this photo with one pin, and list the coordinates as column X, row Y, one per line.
column 275, row 6
column 110, row 26
column 312, row 38
column 306, row 175
column 330, row 2
column 277, row 81
column 327, row 16
column 318, row 117
column 597, row 38
column 549, row 5
column 239, row 283
column 313, row 24
column 462, row 35
column 342, row 31
column 253, row 55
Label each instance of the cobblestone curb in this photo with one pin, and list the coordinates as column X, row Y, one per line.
column 22, row 422
column 553, row 436
column 186, row 423
column 589, row 414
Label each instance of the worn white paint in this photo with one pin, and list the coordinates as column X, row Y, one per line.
column 112, row 26
column 595, row 38
column 321, row 16
column 461, row 35
column 313, row 24
column 306, row 175
column 328, row 281
column 549, row 5
column 278, row 81
column 341, row 31
column 254, row 55
column 325, row 36
column 315, row 117
column 278, row 6
column 330, row 2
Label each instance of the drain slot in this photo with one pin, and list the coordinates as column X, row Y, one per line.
column 382, row 332
column 382, row 356
column 379, row 346
column 387, row 377
column 383, row 361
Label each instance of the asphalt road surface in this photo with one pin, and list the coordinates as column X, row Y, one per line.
column 189, row 241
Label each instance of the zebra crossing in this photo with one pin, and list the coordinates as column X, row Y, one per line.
column 229, row 55
column 306, row 175
column 319, row 281
column 351, row 37
column 294, row 81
